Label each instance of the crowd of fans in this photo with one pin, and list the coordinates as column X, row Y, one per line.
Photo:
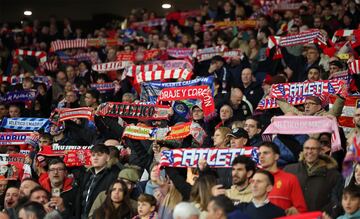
column 293, row 174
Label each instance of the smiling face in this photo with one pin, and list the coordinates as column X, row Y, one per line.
column 11, row 197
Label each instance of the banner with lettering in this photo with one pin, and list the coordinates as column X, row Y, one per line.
column 174, row 64
column 111, row 66
column 103, row 87
column 14, row 167
column 341, row 75
column 24, row 124
column 270, row 103
column 19, row 96
column 74, row 155
column 226, row 24
column 191, row 92
column 180, row 53
column 13, row 138
column 143, row 56
column 151, row 90
column 303, row 89
column 75, row 113
column 215, row 157
column 225, row 54
column 133, row 110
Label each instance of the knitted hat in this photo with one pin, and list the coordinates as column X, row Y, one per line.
column 130, row 174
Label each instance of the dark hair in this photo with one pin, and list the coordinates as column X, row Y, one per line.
column 35, row 208
column 268, row 174
column 224, row 203
column 56, row 161
column 39, row 188
column 108, row 210
column 100, row 148
column 258, row 124
column 352, row 190
column 148, row 199
column 94, row 93
column 271, row 145
column 248, row 162
column 266, row 31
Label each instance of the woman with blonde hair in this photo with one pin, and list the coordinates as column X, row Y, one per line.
column 220, row 139
column 200, row 194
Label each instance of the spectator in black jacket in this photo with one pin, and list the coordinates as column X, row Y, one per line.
column 251, row 89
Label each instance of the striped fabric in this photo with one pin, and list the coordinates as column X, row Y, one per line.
column 111, row 66
column 67, row 44
column 24, row 124
column 354, row 67
column 347, row 114
column 39, row 54
column 163, row 74
column 270, row 103
column 132, row 71
column 344, row 33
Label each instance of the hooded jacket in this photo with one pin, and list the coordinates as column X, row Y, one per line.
column 321, row 184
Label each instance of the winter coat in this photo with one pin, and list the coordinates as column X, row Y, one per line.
column 321, row 184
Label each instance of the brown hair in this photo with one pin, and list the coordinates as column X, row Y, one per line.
column 148, row 199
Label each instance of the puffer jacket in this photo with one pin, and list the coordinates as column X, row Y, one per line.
column 321, row 184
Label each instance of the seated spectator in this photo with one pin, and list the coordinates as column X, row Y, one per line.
column 185, row 210
column 33, row 210
column 146, row 207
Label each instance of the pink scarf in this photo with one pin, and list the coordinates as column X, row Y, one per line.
column 292, row 125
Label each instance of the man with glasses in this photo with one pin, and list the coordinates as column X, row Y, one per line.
column 63, row 189
column 319, row 178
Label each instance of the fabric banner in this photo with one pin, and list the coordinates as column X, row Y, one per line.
column 133, row 110
column 133, row 56
column 19, row 96
column 270, row 103
column 354, row 67
column 24, row 124
column 134, row 70
column 111, row 66
column 179, row 131
column 74, row 155
column 92, row 57
column 14, row 167
column 151, row 90
column 303, row 89
column 75, row 113
column 347, row 114
column 163, row 74
column 98, row 42
column 68, row 44
column 13, row 138
column 226, row 24
column 291, row 125
column 103, row 87
column 354, row 34
column 287, row 6
column 191, row 92
column 149, row 23
column 39, row 54
column 215, row 157
column 180, row 53
column 174, row 64
column 341, row 75
column 225, row 55
column 19, row 79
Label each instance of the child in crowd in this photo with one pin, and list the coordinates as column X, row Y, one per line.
column 146, row 207
column 351, row 202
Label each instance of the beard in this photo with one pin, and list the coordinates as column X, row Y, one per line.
column 239, row 182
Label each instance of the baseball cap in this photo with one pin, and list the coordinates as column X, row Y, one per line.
column 238, row 133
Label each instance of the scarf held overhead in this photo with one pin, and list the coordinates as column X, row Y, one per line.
column 302, row 89
column 215, row 157
column 39, row 54
column 19, row 96
column 74, row 155
column 24, row 124
column 75, row 113
column 13, row 138
column 270, row 103
column 305, row 125
column 111, row 66
column 201, row 92
column 133, row 110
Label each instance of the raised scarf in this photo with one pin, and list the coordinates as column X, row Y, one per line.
column 38, row 54
column 13, row 138
column 24, row 124
column 270, row 103
column 110, row 66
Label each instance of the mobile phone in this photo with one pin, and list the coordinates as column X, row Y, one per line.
column 55, row 192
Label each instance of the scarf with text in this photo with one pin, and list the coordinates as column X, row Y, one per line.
column 24, row 124
column 341, row 75
column 103, row 87
column 151, row 90
column 270, row 103
column 179, row 131
column 74, row 113
column 309, row 36
column 111, row 66
column 149, row 23
column 14, row 167
column 303, row 89
column 13, row 80
column 292, row 125
column 74, row 155
column 13, row 138
column 226, row 24
column 201, row 92
column 225, row 54
column 38, row 54
column 133, row 110
column 180, row 53
column 215, row 157
column 82, row 43
column 138, row 56
column 174, row 64
column 19, row 96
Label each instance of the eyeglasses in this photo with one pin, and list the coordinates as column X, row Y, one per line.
column 56, row 170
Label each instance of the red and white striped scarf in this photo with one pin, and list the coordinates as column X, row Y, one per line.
column 226, row 55
column 310, row 36
column 68, row 44
column 111, row 66
column 354, row 67
column 49, row 66
column 149, row 23
column 134, row 70
column 180, row 53
column 163, row 74
column 75, row 113
column 39, row 54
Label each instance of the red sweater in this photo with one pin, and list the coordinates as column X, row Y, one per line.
column 287, row 192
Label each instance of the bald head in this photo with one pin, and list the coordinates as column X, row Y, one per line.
column 236, row 97
column 246, row 76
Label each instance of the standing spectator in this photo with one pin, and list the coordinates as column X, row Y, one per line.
column 252, row 90
column 252, row 126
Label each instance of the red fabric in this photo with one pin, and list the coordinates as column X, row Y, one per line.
column 45, row 182
column 287, row 192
